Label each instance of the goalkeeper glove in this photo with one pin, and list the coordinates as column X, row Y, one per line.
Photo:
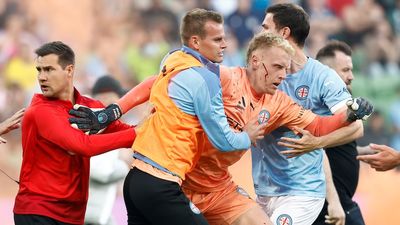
column 358, row 108
column 94, row 121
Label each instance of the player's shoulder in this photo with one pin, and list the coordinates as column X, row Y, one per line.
column 232, row 73
column 317, row 68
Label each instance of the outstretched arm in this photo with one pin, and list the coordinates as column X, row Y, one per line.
column 387, row 158
column 329, row 129
column 11, row 123
column 94, row 121
column 137, row 95
column 75, row 141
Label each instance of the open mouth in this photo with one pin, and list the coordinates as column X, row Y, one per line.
column 277, row 84
column 44, row 87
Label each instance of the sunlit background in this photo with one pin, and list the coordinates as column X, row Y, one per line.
column 127, row 39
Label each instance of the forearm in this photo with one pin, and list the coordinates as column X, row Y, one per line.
column 342, row 135
column 323, row 125
column 137, row 95
column 331, row 195
column 209, row 108
column 91, row 145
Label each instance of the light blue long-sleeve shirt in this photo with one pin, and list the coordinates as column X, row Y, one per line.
column 197, row 91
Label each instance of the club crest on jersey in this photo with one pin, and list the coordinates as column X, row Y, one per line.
column 284, row 219
column 194, row 208
column 263, row 116
column 302, row 92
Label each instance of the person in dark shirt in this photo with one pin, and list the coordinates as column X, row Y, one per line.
column 344, row 165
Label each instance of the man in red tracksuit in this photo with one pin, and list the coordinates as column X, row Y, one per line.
column 54, row 176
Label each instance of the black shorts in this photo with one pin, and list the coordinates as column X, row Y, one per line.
column 30, row 219
column 150, row 200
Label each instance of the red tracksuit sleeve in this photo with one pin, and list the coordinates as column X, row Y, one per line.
column 54, row 127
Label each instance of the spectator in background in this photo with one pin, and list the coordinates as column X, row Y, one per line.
column 7, row 8
column 105, row 169
column 360, row 19
column 160, row 18
column 243, row 23
column 20, row 69
column 323, row 24
column 394, row 117
column 13, row 36
column 337, row 6
column 375, row 131
column 146, row 48
column 342, row 158
column 382, row 56
column 233, row 55
column 321, row 18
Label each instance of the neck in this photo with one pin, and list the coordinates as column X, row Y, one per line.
column 298, row 60
column 68, row 95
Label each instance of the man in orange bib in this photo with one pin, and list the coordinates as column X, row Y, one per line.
column 187, row 99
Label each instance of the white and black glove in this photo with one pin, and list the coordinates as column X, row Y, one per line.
column 358, row 109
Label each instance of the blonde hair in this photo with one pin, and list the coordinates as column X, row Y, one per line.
column 267, row 40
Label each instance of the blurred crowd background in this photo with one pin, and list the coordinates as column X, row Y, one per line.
column 127, row 39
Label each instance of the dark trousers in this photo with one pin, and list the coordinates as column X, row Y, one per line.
column 150, row 200
column 29, row 219
column 353, row 215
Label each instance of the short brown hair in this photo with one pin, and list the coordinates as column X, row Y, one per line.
column 292, row 16
column 266, row 40
column 66, row 55
column 193, row 23
column 328, row 51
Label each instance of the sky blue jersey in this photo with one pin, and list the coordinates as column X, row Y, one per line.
column 315, row 87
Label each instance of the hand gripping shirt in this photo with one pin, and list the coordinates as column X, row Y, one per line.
column 211, row 172
column 320, row 89
column 54, row 174
column 188, row 105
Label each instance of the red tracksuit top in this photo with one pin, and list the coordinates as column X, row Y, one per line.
column 55, row 167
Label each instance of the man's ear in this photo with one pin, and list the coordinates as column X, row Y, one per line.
column 254, row 61
column 285, row 32
column 194, row 42
column 70, row 69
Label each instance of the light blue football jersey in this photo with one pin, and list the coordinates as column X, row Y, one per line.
column 315, row 87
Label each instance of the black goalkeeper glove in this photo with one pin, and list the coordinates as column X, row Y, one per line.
column 94, row 121
column 358, row 109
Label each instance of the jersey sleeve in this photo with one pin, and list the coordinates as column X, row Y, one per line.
column 53, row 126
column 334, row 91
